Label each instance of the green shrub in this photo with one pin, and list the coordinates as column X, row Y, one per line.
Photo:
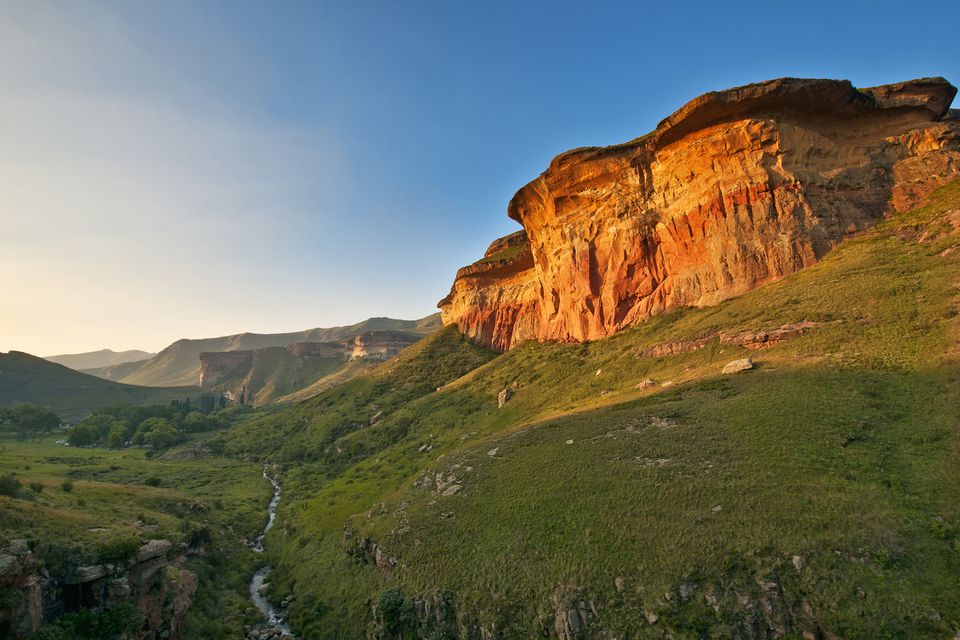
column 117, row 550
column 9, row 485
column 197, row 536
column 152, row 481
column 67, row 485
column 396, row 611
column 87, row 625
column 36, row 487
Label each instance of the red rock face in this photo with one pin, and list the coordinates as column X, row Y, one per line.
column 736, row 189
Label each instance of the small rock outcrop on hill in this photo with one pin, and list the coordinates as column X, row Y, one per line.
column 736, row 189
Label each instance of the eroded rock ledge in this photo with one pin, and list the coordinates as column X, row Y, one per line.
column 161, row 591
column 735, row 189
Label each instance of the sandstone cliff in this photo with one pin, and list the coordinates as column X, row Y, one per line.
column 736, row 189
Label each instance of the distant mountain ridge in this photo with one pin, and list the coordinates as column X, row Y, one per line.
column 25, row 378
column 179, row 363
column 101, row 358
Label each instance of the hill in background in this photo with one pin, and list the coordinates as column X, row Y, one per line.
column 29, row 379
column 259, row 376
column 97, row 359
column 179, row 364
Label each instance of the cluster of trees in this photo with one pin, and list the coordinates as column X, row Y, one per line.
column 29, row 420
column 157, row 427
column 206, row 404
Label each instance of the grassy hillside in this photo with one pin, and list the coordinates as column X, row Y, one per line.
column 98, row 359
column 27, row 378
column 812, row 496
column 350, row 369
column 179, row 364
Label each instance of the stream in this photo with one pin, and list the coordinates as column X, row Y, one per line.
column 275, row 625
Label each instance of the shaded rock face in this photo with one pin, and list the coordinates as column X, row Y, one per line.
column 21, row 590
column 217, row 365
column 160, row 590
column 736, row 189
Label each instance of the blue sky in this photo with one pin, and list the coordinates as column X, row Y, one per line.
column 188, row 169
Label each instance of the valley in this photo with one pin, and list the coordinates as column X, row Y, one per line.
column 708, row 391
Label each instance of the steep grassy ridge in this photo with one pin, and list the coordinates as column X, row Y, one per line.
column 815, row 494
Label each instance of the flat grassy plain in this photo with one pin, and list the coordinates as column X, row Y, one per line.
column 814, row 494
column 119, row 499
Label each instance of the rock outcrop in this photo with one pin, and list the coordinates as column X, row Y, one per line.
column 379, row 345
column 736, row 189
column 20, row 586
column 160, row 590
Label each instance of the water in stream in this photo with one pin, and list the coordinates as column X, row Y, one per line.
column 275, row 625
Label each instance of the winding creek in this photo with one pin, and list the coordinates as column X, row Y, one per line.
column 275, row 626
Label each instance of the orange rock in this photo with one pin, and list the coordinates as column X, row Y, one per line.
column 736, row 189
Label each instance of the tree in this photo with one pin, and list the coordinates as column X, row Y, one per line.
column 31, row 420
column 195, row 422
column 82, row 435
column 161, row 437
column 156, row 433
column 118, row 435
column 100, row 424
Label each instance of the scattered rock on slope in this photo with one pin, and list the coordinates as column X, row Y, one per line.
column 736, row 366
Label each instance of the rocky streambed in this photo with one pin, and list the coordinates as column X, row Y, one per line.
column 275, row 626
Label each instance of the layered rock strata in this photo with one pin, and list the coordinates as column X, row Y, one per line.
column 736, row 189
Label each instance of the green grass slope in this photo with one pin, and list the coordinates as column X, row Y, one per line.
column 350, row 369
column 28, row 379
column 814, row 496
column 179, row 364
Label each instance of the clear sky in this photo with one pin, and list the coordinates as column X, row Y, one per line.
column 180, row 169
